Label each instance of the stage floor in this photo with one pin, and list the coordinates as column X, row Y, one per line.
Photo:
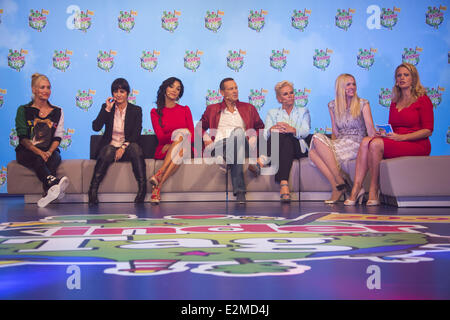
column 220, row 251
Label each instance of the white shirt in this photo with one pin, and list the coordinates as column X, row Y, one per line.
column 118, row 134
column 228, row 122
column 299, row 118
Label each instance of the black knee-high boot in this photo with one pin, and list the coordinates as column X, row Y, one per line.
column 141, row 178
column 101, row 167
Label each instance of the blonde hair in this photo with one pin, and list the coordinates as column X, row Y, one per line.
column 282, row 84
column 35, row 78
column 340, row 99
column 417, row 90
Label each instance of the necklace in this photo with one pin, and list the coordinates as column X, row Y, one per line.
column 41, row 112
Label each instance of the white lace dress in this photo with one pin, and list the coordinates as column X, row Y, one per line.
column 350, row 132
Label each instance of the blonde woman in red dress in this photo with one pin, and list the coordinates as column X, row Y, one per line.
column 174, row 128
column 411, row 118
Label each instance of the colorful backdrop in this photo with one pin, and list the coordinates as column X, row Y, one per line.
column 82, row 46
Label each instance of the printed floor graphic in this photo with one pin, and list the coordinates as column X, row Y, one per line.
column 316, row 255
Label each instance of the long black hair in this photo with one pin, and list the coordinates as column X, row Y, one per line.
column 161, row 95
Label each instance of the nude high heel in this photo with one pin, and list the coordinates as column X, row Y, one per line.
column 375, row 202
column 359, row 198
column 156, row 178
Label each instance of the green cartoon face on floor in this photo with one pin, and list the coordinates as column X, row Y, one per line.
column 216, row 244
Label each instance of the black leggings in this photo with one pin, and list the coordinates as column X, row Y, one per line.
column 35, row 162
column 133, row 153
column 288, row 151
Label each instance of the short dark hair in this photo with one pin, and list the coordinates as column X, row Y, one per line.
column 120, row 83
column 222, row 83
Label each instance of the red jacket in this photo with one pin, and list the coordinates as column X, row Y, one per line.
column 249, row 114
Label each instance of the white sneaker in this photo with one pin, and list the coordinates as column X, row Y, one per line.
column 63, row 184
column 61, row 195
column 52, row 194
column 55, row 192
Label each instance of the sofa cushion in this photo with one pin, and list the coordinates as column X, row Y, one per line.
column 415, row 176
column 148, row 143
column 266, row 183
column 118, row 179
column 22, row 180
column 192, row 177
column 311, row 179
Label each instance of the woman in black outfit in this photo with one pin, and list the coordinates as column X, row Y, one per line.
column 123, row 125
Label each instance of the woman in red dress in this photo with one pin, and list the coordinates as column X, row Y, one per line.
column 411, row 118
column 174, row 129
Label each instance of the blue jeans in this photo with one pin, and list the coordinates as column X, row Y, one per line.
column 235, row 148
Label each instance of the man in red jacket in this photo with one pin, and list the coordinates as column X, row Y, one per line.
column 233, row 128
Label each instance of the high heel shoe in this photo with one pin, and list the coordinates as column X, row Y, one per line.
column 333, row 201
column 285, row 197
column 156, row 195
column 156, row 178
column 374, row 202
column 359, row 198
column 347, row 185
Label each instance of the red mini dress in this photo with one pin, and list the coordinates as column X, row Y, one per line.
column 178, row 117
column 419, row 115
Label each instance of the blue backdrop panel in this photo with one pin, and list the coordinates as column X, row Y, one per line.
column 82, row 46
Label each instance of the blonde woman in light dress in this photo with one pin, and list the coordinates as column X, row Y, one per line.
column 351, row 121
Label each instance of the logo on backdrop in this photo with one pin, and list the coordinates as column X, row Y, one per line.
column 3, row 175
column 301, row 97
column 411, row 56
column 219, row 245
column 385, row 97
column 366, row 58
column 170, row 21
column 149, row 60
column 126, row 20
column 84, row 99
column 213, row 97
column 257, row 98
column 213, row 20
column 256, row 20
column 132, row 96
column 300, row 20
column 61, row 59
column 278, row 59
column 105, row 60
column 82, row 20
column 2, row 97
column 325, row 130
column 38, row 20
column 147, row 132
column 66, row 140
column 16, row 59
column 389, row 18
column 435, row 95
column 192, row 60
column 235, row 60
column 1, row 12
column 13, row 138
column 322, row 58
column 344, row 19
column 434, row 16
